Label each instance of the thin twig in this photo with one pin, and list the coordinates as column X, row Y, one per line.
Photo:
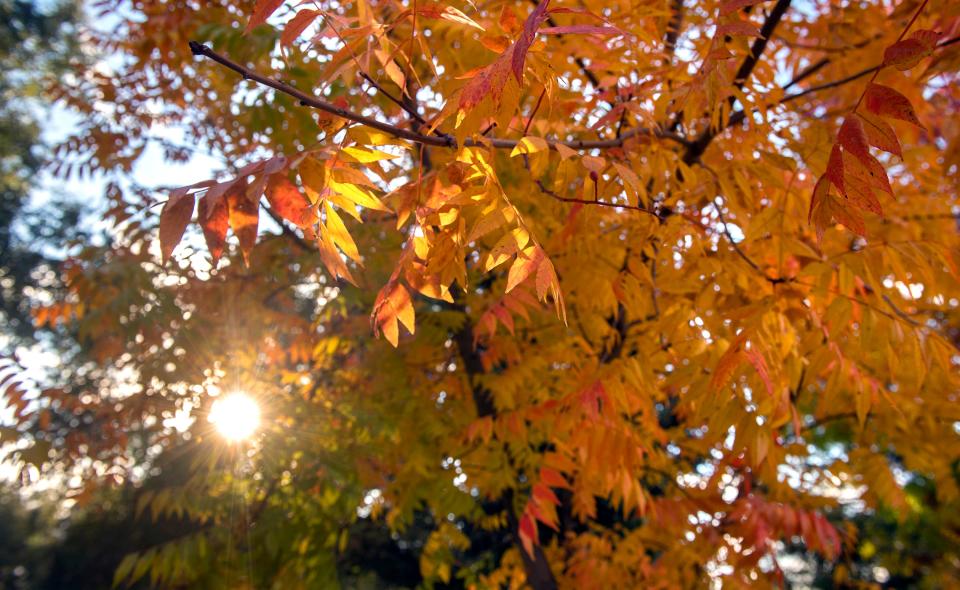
column 416, row 116
column 533, row 113
column 674, row 26
column 916, row 15
column 697, row 147
column 305, row 99
column 554, row 195
column 739, row 116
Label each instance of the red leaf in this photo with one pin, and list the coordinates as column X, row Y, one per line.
column 213, row 218
column 527, row 37
column 853, row 139
column 544, row 494
column 261, row 12
column 760, row 365
column 174, row 218
column 820, row 213
column 741, row 28
column 288, row 202
column 528, row 533
column 880, row 134
column 907, row 53
column 553, row 478
column 297, row 25
column 887, row 102
column 835, row 168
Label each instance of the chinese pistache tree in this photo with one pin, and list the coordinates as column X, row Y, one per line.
column 557, row 294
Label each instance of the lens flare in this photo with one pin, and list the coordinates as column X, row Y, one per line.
column 235, row 416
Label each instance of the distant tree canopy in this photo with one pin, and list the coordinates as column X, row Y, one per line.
column 530, row 294
column 36, row 45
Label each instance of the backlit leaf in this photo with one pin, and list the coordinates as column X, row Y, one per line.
column 261, row 12
column 214, row 218
column 174, row 218
column 244, row 217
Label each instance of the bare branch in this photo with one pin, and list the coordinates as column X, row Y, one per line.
column 696, row 149
column 673, row 30
column 739, row 116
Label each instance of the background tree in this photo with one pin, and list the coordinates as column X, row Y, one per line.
column 35, row 46
column 683, row 282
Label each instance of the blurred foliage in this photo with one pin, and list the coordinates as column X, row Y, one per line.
column 37, row 45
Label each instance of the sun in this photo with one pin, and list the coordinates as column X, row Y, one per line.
column 236, row 416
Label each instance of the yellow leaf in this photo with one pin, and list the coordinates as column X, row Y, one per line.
column 631, row 181
column 530, row 145
column 358, row 195
column 525, row 265
column 364, row 155
column 340, row 235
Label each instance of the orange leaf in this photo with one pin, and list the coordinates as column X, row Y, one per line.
column 288, row 202
column 213, row 218
column 297, row 25
column 174, row 218
column 880, row 134
column 244, row 216
column 261, row 12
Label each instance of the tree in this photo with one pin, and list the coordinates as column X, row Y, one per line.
column 660, row 287
column 35, row 45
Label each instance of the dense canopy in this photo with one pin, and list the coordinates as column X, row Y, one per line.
column 563, row 294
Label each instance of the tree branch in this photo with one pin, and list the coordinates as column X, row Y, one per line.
column 305, row 99
column 739, row 116
column 696, row 149
column 673, row 30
